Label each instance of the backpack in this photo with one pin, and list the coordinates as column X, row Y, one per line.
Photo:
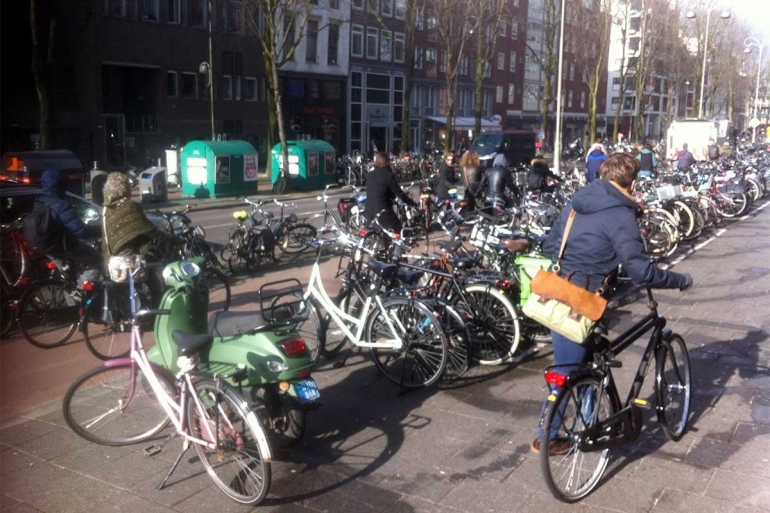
column 42, row 231
column 713, row 152
column 645, row 161
column 535, row 181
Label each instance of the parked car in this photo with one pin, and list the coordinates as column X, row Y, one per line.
column 517, row 146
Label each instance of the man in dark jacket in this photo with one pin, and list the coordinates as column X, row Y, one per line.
column 539, row 175
column 647, row 162
column 381, row 191
column 447, row 177
column 684, row 158
column 604, row 234
column 496, row 181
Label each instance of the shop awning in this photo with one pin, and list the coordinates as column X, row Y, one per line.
column 465, row 122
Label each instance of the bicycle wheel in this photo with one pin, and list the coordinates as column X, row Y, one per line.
column 297, row 238
column 732, row 206
column 107, row 341
column 7, row 309
column 279, row 187
column 216, row 281
column 48, row 314
column 572, row 474
column 257, row 251
column 334, row 337
column 673, row 387
column 240, row 465
column 116, row 405
column 311, row 330
column 495, row 329
column 458, row 340
column 685, row 218
column 422, row 360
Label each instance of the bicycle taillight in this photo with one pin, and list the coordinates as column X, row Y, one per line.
column 555, row 379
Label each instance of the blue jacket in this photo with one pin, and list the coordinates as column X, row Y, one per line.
column 645, row 151
column 604, row 234
column 52, row 184
column 685, row 159
column 594, row 164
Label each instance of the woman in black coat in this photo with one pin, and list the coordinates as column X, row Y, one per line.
column 381, row 191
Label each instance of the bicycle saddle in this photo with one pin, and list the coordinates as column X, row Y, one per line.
column 516, row 245
column 230, row 324
column 461, row 262
column 240, row 215
column 188, row 343
column 382, row 269
column 409, row 276
column 450, row 246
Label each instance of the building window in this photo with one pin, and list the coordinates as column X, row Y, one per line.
column 442, row 100
column 331, row 49
column 431, row 56
column 358, row 4
column 488, row 69
column 250, row 89
column 515, row 3
column 189, row 85
column 503, row 28
column 419, row 21
column 569, row 99
column 334, row 4
column 514, row 30
column 512, row 63
column 118, row 8
column 417, row 57
column 371, row 43
column 431, row 100
column 386, row 46
column 311, row 41
column 432, row 22
column 582, row 99
column 150, row 10
column 511, row 92
column 500, row 60
column 289, row 42
column 400, row 9
column 398, row 48
column 172, row 84
column 237, row 82
column 442, row 63
column 174, row 11
column 464, row 66
column 387, row 8
column 373, row 6
column 415, row 97
column 226, row 90
column 499, row 94
column 487, row 103
column 616, row 84
column 198, row 13
column 572, row 71
column 615, row 101
column 357, row 41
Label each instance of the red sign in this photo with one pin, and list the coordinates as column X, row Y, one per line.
column 317, row 110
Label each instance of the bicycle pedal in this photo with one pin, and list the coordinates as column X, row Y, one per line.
column 642, row 403
column 152, row 450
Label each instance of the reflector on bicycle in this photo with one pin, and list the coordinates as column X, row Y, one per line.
column 555, row 379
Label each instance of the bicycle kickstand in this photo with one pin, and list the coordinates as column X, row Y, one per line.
column 185, row 446
column 341, row 363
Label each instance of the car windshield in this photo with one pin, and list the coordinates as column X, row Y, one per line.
column 488, row 141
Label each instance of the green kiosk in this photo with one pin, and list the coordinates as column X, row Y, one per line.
column 312, row 165
column 213, row 169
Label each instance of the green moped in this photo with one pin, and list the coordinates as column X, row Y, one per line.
column 261, row 350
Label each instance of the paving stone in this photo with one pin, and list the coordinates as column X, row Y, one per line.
column 479, row 462
column 9, row 505
column 658, row 472
column 487, row 496
column 53, row 444
column 24, row 431
column 128, row 470
column 209, row 500
column 184, row 482
column 740, row 489
column 91, row 456
column 675, row 501
column 429, row 482
column 15, row 460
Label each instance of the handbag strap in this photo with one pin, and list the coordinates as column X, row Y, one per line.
column 564, row 237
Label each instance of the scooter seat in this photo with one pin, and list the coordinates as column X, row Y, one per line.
column 382, row 269
column 188, row 343
column 517, row 245
column 409, row 276
column 230, row 324
column 461, row 263
column 450, row 246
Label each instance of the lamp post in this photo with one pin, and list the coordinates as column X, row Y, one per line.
column 691, row 15
column 557, row 140
column 207, row 68
column 750, row 43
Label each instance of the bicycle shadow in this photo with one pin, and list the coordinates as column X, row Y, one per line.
column 710, row 439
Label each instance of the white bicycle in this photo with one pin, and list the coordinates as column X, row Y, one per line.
column 405, row 336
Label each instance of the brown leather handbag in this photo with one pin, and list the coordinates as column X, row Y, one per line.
column 564, row 307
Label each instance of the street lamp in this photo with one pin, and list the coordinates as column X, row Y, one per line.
column 557, row 140
column 691, row 15
column 750, row 43
column 206, row 68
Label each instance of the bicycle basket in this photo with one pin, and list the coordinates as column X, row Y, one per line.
column 668, row 192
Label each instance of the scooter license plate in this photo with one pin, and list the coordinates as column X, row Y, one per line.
column 307, row 391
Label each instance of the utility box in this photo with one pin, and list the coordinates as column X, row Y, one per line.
column 214, row 169
column 695, row 133
column 28, row 166
column 152, row 184
column 312, row 164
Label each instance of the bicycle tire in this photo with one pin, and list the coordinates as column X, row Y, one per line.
column 31, row 317
column 334, row 337
column 141, row 418
column 458, row 339
column 558, row 412
column 736, row 205
column 497, row 335
column 220, row 399
column 685, row 218
column 279, row 187
column 106, row 341
column 675, row 427
column 214, row 278
column 312, row 329
column 298, row 238
column 7, row 309
column 422, row 361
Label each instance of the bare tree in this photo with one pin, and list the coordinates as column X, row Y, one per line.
column 621, row 20
column 591, row 53
column 488, row 15
column 546, row 57
column 415, row 10
column 279, row 25
column 654, row 26
column 454, row 29
column 43, row 28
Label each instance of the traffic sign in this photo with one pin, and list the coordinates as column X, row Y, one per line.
column 754, row 123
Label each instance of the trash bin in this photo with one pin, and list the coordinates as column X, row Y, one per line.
column 312, row 164
column 213, row 169
column 152, row 184
column 173, row 177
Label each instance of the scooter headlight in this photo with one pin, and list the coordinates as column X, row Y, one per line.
column 200, row 232
column 190, row 269
column 276, row 366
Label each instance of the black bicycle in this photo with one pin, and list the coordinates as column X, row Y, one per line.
column 585, row 419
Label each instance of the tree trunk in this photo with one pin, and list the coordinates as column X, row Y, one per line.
column 275, row 84
column 478, row 101
column 42, row 71
column 450, row 117
column 547, row 93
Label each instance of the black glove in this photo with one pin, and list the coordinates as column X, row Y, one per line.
column 687, row 282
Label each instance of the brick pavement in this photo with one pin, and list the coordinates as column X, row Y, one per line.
column 466, row 447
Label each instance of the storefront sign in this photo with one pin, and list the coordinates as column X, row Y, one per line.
column 250, row 167
column 377, row 113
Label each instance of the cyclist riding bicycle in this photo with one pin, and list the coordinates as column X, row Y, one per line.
column 604, row 234
column 497, row 180
column 539, row 176
column 381, row 191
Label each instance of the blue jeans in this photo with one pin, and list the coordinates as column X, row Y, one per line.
column 567, row 356
column 644, row 174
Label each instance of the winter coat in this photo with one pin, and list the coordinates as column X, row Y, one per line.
column 685, row 159
column 381, row 191
column 647, row 160
column 604, row 234
column 52, row 184
column 447, row 179
column 594, row 164
column 126, row 228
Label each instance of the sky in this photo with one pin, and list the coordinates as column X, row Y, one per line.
column 757, row 12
